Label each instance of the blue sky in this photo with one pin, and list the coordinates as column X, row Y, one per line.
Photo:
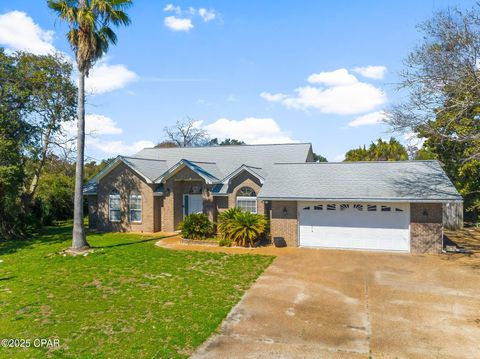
column 271, row 71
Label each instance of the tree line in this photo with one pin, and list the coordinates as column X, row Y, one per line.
column 37, row 99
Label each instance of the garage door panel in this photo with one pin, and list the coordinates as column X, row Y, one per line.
column 353, row 228
column 356, row 221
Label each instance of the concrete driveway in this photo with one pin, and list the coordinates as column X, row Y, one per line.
column 339, row 304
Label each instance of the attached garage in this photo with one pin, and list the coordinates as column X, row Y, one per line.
column 382, row 206
column 367, row 226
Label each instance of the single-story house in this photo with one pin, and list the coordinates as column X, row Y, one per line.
column 392, row 206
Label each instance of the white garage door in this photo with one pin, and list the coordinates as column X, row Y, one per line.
column 381, row 226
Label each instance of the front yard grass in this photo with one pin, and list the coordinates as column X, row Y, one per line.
column 128, row 299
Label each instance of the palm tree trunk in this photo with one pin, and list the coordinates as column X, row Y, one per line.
column 79, row 240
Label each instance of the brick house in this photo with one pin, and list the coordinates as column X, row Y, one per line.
column 394, row 206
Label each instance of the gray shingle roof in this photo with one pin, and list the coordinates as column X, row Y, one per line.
column 213, row 163
column 220, row 161
column 208, row 170
column 148, row 167
column 368, row 181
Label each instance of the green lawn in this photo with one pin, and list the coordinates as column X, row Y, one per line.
column 128, row 299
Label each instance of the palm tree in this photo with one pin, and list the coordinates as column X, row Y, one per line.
column 89, row 36
column 247, row 227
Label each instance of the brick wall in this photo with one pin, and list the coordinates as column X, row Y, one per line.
column 283, row 224
column 166, row 212
column 244, row 179
column 157, row 213
column 426, row 227
column 177, row 185
column 125, row 181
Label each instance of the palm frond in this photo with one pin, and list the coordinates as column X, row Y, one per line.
column 90, row 34
column 66, row 9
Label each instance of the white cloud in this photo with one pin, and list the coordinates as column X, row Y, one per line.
column 117, row 147
column 95, row 125
column 207, row 15
column 371, row 72
column 251, row 130
column 340, row 94
column 18, row 31
column 97, row 129
column 173, row 8
column 372, row 118
column 277, row 97
column 184, row 18
column 178, row 24
column 105, row 78
column 101, row 125
column 343, row 100
column 412, row 139
column 333, row 78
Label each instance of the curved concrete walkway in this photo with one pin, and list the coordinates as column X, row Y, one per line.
column 339, row 304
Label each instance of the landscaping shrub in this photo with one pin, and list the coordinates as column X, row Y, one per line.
column 225, row 220
column 196, row 226
column 244, row 228
column 225, row 242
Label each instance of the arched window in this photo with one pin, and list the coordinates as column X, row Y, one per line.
column 135, row 207
column 247, row 199
column 114, row 206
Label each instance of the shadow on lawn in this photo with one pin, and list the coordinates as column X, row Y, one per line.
column 60, row 233
column 50, row 234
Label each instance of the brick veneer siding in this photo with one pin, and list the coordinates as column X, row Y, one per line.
column 157, row 213
column 163, row 213
column 284, row 225
column 426, row 227
column 176, row 186
column 244, row 179
column 125, row 181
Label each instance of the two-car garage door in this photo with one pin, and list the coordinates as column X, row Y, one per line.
column 379, row 226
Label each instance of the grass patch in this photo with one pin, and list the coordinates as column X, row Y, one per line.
column 127, row 299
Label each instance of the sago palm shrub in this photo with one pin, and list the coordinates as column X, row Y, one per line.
column 246, row 228
column 225, row 220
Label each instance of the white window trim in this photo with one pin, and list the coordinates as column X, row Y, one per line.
column 240, row 198
column 110, row 196
column 130, row 209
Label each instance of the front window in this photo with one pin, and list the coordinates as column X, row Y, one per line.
column 247, row 199
column 114, row 206
column 135, row 207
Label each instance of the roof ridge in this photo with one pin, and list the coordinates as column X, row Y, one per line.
column 245, row 145
column 213, row 163
column 140, row 158
column 352, row 162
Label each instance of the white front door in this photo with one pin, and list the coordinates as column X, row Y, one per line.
column 192, row 203
column 369, row 226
